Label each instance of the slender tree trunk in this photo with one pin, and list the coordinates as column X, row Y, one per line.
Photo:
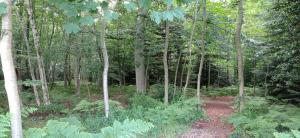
column 181, row 75
column 240, row 53
column 209, row 69
column 105, row 68
column 77, row 76
column 147, row 72
column 189, row 68
column 66, row 66
column 254, row 75
column 9, row 73
column 36, row 40
column 165, row 60
column 139, row 53
column 176, row 74
column 31, row 70
column 202, row 50
column 266, row 81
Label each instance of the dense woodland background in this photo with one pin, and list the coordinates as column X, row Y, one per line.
column 69, row 52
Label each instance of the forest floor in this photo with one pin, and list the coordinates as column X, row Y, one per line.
column 217, row 109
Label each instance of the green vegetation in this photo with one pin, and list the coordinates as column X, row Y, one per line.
column 149, row 68
column 266, row 117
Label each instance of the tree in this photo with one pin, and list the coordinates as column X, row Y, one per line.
column 202, row 49
column 8, row 69
column 165, row 60
column 190, row 43
column 36, row 39
column 139, row 51
column 240, row 53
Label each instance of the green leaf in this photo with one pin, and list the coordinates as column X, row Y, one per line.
column 130, row 6
column 296, row 133
column 87, row 20
column 68, row 9
column 35, row 133
column 110, row 15
column 178, row 13
column 168, row 2
column 168, row 16
column 145, row 3
column 156, row 17
column 71, row 28
column 3, row 8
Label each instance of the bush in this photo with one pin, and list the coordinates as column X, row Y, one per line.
column 68, row 129
column 85, row 106
column 157, row 91
column 262, row 119
column 144, row 101
column 51, row 108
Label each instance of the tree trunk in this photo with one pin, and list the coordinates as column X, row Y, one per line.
column 31, row 70
column 66, row 65
column 36, row 40
column 139, row 53
column 266, row 81
column 189, row 68
column 77, row 68
column 240, row 53
column 105, row 68
column 181, row 75
column 165, row 60
column 202, row 50
column 209, row 69
column 176, row 74
column 9, row 73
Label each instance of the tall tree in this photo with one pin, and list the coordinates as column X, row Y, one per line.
column 9, row 73
column 239, row 54
column 105, row 68
column 139, row 52
column 202, row 49
column 190, row 43
column 165, row 60
column 31, row 69
column 36, row 39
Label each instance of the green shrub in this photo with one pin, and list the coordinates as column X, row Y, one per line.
column 262, row 119
column 157, row 91
column 144, row 101
column 51, row 108
column 85, row 106
column 4, row 125
column 55, row 128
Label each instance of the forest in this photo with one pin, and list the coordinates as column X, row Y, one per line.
column 150, row 69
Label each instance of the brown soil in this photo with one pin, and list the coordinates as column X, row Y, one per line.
column 217, row 109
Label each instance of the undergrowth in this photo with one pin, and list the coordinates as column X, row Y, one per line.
column 263, row 119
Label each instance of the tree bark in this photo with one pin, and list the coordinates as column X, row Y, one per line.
column 209, row 70
column 202, row 50
column 31, row 70
column 36, row 39
column 9, row 73
column 189, row 68
column 67, row 65
column 176, row 74
column 77, row 75
column 105, row 68
column 240, row 53
column 139, row 53
column 165, row 60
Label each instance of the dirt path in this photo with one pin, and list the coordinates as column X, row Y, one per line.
column 216, row 109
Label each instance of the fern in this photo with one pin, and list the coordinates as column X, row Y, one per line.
column 55, row 128
column 282, row 135
column 296, row 133
column 127, row 129
column 26, row 111
column 4, row 125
